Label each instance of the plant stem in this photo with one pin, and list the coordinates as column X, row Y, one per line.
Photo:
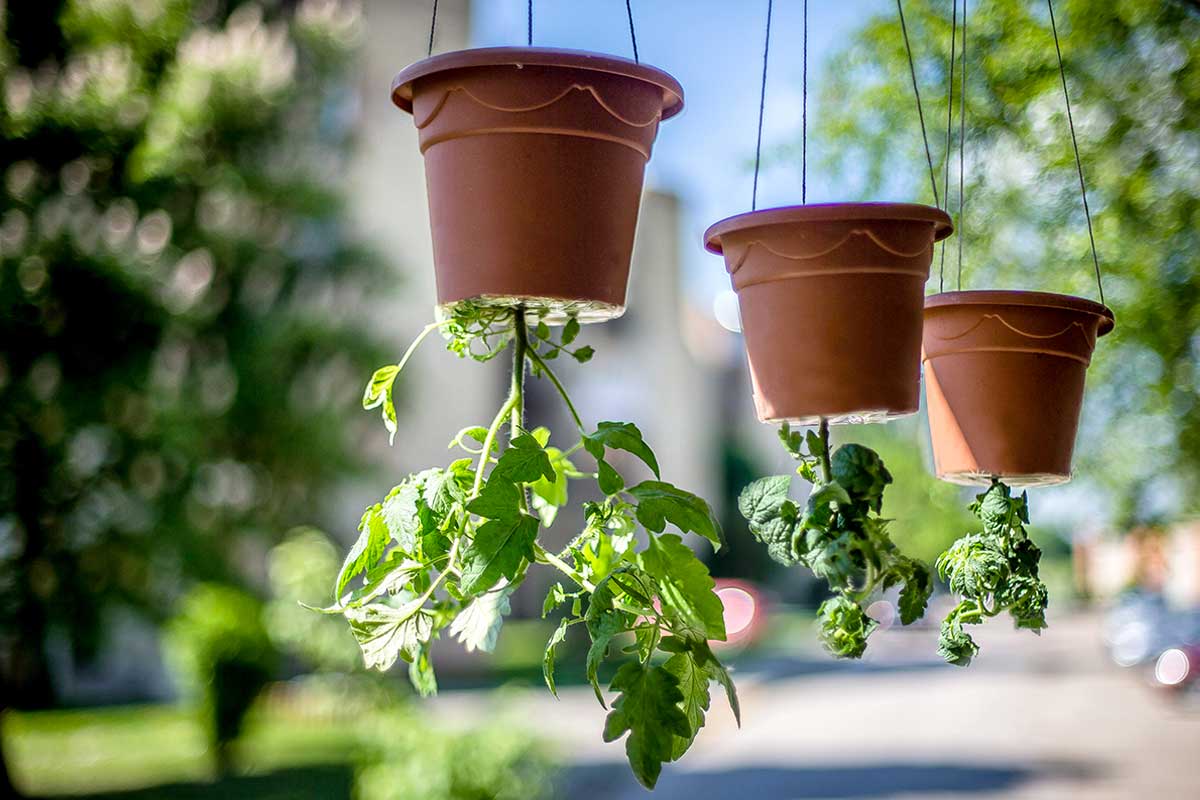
column 823, row 434
column 412, row 348
column 545, row 368
column 520, row 351
column 488, row 441
column 542, row 554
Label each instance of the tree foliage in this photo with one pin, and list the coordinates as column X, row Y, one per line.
column 175, row 355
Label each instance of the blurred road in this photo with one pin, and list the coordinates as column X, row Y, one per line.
column 1033, row 718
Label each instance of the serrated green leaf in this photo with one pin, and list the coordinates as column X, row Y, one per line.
column 373, row 538
column 684, row 588
column 759, row 502
column 376, row 392
column 648, row 708
column 542, row 331
column 602, row 628
column 401, row 514
column 555, row 597
column 583, row 354
column 524, row 461
column 385, row 633
column 478, row 625
column 620, row 436
column 556, row 638
column 660, row 502
column 497, row 551
column 693, row 685
column 918, row 586
column 499, row 498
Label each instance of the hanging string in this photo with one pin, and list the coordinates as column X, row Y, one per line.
column 1062, row 72
column 912, row 70
column 529, row 24
column 632, row 34
column 762, row 101
column 962, row 143
column 432, row 27
column 949, row 119
column 804, row 114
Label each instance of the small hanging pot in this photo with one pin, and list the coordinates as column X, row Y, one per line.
column 1004, row 376
column 534, row 160
column 830, row 299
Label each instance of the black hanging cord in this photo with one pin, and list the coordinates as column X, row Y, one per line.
column 949, row 119
column 762, row 100
column 912, row 69
column 1062, row 72
column 432, row 27
column 804, row 115
column 529, row 24
column 962, row 143
column 632, row 34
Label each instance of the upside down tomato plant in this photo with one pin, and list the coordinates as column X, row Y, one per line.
column 444, row 549
column 838, row 535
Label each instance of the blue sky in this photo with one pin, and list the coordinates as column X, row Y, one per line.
column 714, row 49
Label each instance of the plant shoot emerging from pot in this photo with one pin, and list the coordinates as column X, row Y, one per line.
column 838, row 534
column 992, row 571
column 444, row 550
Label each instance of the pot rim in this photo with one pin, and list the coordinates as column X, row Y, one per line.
column 828, row 212
column 1020, row 297
column 402, row 94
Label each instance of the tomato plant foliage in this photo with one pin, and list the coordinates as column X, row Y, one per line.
column 445, row 548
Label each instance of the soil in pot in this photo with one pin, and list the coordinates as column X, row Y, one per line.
column 830, row 298
column 1004, row 379
column 534, row 162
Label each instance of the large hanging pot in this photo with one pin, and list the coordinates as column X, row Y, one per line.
column 534, row 160
column 830, row 299
column 1004, row 376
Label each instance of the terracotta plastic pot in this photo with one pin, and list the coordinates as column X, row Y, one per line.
column 1004, row 375
column 534, row 160
column 830, row 299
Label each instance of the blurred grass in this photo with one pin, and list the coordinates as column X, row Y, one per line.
column 95, row 751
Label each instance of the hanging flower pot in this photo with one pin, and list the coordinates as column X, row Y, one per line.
column 830, row 298
column 534, row 160
column 1004, row 375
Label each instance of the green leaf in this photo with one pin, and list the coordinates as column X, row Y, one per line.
column 973, row 566
column 498, row 499
column 555, row 597
column 602, row 628
column 861, row 472
column 386, row 633
column 684, row 588
column 844, row 627
column 780, row 537
column 421, row 674
column 760, row 502
column 497, row 550
column 660, row 503
column 955, row 645
column 372, row 539
column 401, row 514
column 693, row 684
column 918, row 586
column 556, row 638
column 524, row 461
column 583, row 354
column 550, row 495
column 380, row 392
column 648, row 708
column 478, row 625
column 609, row 479
column 542, row 331
column 620, row 436
column 570, row 331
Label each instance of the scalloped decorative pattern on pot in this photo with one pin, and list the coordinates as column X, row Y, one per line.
column 554, row 100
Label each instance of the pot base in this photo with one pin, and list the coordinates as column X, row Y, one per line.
column 550, row 310
column 1015, row 481
column 847, row 418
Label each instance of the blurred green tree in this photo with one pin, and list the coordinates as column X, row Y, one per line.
column 178, row 336
column 1133, row 68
